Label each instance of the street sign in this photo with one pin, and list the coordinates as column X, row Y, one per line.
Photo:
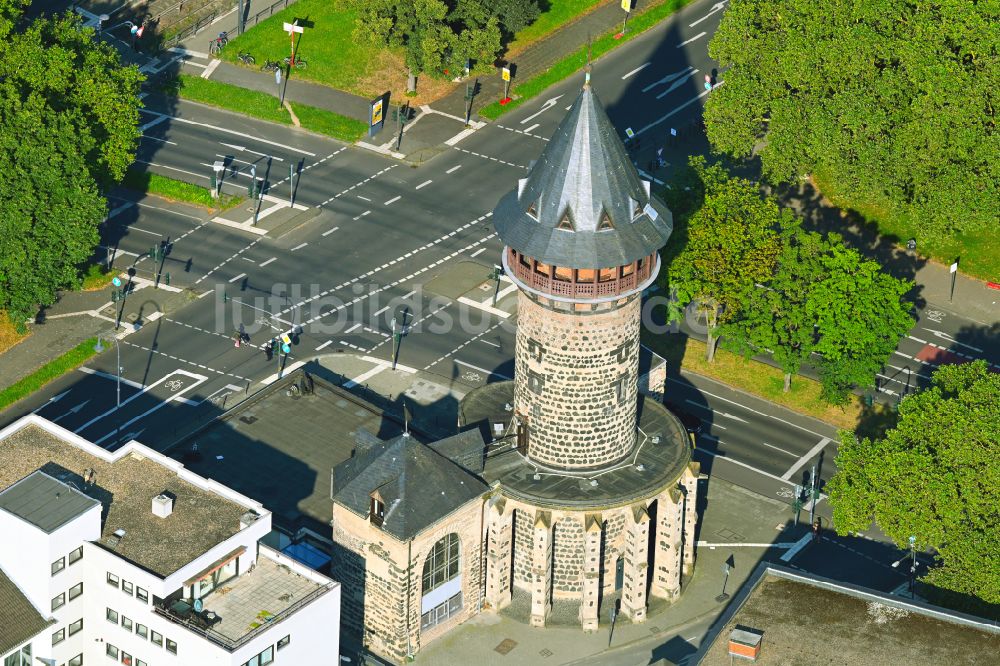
column 627, row 5
column 376, row 116
column 954, row 267
column 289, row 27
column 629, row 133
column 116, row 281
column 505, row 73
column 277, row 76
column 673, row 132
column 285, row 339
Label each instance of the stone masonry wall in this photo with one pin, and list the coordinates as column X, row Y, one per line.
column 567, row 547
column 575, row 384
column 523, row 521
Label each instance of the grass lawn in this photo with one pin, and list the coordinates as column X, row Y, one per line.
column 175, row 190
column 978, row 250
column 575, row 62
column 766, row 382
column 55, row 368
column 558, row 14
column 97, row 276
column 264, row 106
column 8, row 333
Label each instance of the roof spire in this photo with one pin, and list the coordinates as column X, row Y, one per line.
column 587, row 69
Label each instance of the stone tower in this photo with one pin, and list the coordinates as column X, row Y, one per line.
column 582, row 233
column 593, row 488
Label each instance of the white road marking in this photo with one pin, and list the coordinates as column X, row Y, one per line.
column 639, row 69
column 677, row 110
column 363, row 377
column 265, row 263
column 393, row 200
column 353, row 328
column 143, row 391
column 778, row 448
column 549, row 103
column 211, row 68
column 376, row 314
column 454, row 168
column 716, row 7
column 156, row 138
column 695, row 38
column 228, row 131
column 528, row 129
column 177, row 397
column 423, row 184
column 238, row 277
column 151, row 123
column 488, row 372
column 325, row 345
column 363, row 198
column 478, row 252
column 721, row 456
column 145, row 231
column 812, row 453
column 330, row 231
column 358, row 217
column 298, row 247
column 164, row 166
column 108, row 375
column 284, row 371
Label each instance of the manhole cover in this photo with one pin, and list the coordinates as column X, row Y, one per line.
column 506, row 645
column 654, row 630
column 546, row 652
column 248, row 419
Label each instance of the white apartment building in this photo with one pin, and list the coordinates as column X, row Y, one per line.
column 129, row 558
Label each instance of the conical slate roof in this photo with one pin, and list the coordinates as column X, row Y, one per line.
column 583, row 204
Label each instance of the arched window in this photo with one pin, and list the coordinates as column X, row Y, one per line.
column 441, row 596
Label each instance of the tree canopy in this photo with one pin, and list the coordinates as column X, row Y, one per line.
column 439, row 36
column 893, row 102
column 935, row 477
column 68, row 131
column 722, row 250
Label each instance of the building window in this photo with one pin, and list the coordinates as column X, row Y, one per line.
column 141, row 594
column 76, row 555
column 58, row 600
column 76, row 661
column 607, row 275
column 126, row 623
column 20, row 658
column 441, row 612
column 441, row 564
column 112, row 579
column 284, row 641
column 58, row 637
column 126, row 659
column 75, row 591
column 376, row 509
column 75, row 627
column 171, row 647
column 141, row 630
column 156, row 638
column 127, row 587
column 58, row 565
column 111, row 650
column 140, row 662
column 263, row 659
column 112, row 616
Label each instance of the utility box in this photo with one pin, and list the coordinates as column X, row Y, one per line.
column 745, row 643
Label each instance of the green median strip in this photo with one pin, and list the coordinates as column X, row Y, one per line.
column 51, row 370
column 575, row 62
column 264, row 106
column 176, row 190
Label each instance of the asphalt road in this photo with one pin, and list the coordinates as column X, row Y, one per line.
column 383, row 232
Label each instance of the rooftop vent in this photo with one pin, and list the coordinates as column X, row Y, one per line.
column 163, row 506
column 116, row 538
column 744, row 643
column 89, row 477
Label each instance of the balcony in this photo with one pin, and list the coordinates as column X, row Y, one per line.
column 246, row 606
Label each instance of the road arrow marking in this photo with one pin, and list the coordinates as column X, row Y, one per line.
column 638, row 69
column 72, row 410
column 945, row 336
column 55, row 398
column 730, row 416
column 693, row 39
column 545, row 107
column 717, row 7
column 670, row 77
column 677, row 84
column 245, row 149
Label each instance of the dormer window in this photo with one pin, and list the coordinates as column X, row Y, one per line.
column 376, row 509
column 605, row 223
column 566, row 221
column 636, row 209
column 533, row 210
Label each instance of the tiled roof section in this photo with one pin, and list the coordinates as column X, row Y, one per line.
column 417, row 484
column 200, row 520
column 585, row 171
column 44, row 502
column 21, row 620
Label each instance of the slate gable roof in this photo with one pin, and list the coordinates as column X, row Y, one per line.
column 21, row 620
column 417, row 484
column 584, row 171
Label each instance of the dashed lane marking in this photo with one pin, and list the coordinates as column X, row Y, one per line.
column 392, row 200
column 491, row 158
column 228, row 259
column 329, row 231
column 298, row 247
column 357, row 185
column 463, row 346
column 184, row 360
column 526, row 132
column 454, row 168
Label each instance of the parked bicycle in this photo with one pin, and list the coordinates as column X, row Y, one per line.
column 270, row 66
column 299, row 62
column 216, row 44
column 247, row 59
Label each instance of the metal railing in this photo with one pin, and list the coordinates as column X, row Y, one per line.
column 208, row 19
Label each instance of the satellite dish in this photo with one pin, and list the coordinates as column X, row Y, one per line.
column 198, row 605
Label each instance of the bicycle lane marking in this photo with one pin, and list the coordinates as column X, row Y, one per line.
column 145, row 390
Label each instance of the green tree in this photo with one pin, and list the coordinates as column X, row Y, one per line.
column 720, row 252
column 892, row 102
column 68, row 131
column 860, row 316
column 779, row 317
column 934, row 476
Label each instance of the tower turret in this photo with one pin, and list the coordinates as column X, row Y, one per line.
column 581, row 235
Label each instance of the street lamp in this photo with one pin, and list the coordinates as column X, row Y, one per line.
column 118, row 374
column 100, row 21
